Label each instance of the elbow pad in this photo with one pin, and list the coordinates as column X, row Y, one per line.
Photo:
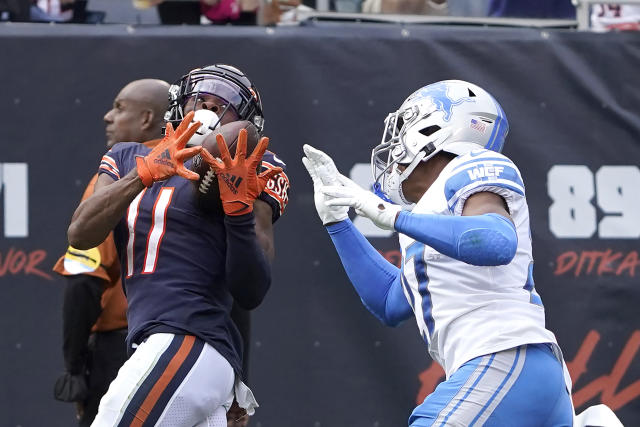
column 483, row 240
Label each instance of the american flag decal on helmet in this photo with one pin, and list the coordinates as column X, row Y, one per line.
column 478, row 125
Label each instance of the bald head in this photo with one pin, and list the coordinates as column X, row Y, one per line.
column 138, row 112
column 149, row 93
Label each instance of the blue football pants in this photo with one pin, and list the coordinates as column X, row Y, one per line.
column 522, row 386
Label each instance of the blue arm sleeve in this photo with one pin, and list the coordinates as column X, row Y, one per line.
column 376, row 280
column 488, row 239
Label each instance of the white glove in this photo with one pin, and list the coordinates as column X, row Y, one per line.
column 323, row 172
column 367, row 204
column 598, row 415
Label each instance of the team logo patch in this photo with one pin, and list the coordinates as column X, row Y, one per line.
column 478, row 126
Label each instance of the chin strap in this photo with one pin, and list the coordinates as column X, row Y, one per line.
column 377, row 190
column 400, row 177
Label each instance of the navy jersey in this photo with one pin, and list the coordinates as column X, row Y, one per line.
column 173, row 260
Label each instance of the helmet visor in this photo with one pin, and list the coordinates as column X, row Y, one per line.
column 225, row 93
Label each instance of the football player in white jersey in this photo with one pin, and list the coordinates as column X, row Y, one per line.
column 461, row 212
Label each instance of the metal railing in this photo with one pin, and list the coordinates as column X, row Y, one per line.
column 438, row 20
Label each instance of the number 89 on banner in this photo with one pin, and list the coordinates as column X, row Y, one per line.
column 572, row 213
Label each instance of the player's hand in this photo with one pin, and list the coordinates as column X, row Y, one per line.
column 167, row 158
column 323, row 173
column 237, row 416
column 238, row 180
column 367, row 204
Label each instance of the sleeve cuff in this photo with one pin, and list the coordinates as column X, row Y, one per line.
column 339, row 226
column 245, row 220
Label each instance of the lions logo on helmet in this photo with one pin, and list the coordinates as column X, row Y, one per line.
column 452, row 115
column 438, row 94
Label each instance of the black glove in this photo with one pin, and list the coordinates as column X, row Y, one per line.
column 71, row 388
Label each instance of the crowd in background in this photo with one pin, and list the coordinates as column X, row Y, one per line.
column 270, row 12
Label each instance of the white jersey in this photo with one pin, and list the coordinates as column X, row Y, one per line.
column 465, row 311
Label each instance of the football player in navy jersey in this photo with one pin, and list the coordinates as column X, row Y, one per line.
column 182, row 269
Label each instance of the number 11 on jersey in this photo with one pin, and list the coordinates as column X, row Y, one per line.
column 156, row 233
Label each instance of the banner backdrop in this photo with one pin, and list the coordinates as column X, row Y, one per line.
column 318, row 358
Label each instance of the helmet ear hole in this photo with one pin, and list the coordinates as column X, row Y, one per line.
column 429, row 130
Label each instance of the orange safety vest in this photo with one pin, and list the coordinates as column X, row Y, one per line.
column 113, row 300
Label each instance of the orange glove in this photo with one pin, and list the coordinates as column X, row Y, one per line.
column 167, row 158
column 238, row 180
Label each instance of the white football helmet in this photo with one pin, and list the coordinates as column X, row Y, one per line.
column 452, row 115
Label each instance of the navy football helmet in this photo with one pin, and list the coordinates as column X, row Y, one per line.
column 231, row 87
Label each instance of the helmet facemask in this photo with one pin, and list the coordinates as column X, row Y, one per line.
column 452, row 116
column 231, row 90
column 400, row 148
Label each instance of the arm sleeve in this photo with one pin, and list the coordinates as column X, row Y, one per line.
column 377, row 281
column 242, row 319
column 486, row 240
column 247, row 271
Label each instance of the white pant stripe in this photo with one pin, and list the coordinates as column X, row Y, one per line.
column 478, row 402
column 513, row 376
column 470, row 381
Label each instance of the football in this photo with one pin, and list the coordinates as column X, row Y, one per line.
column 207, row 186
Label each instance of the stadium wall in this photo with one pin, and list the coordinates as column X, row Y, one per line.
column 318, row 358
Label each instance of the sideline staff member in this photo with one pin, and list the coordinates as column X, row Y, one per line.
column 94, row 308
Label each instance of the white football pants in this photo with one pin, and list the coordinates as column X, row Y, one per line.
column 170, row 380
